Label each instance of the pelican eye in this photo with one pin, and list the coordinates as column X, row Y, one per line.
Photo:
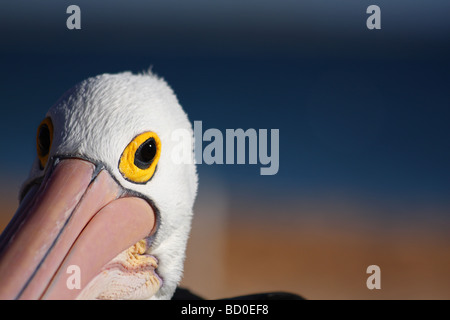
column 145, row 154
column 139, row 159
column 44, row 139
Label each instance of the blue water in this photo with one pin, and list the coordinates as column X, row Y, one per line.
column 366, row 126
column 360, row 113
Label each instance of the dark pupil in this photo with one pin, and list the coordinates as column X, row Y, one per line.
column 44, row 140
column 145, row 154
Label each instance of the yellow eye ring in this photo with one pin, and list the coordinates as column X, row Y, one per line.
column 44, row 139
column 139, row 159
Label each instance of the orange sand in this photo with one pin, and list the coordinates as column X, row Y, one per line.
column 316, row 258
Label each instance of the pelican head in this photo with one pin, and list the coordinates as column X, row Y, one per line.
column 105, row 212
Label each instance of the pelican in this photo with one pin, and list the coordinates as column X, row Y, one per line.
column 103, row 200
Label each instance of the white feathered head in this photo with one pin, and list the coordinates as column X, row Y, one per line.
column 106, row 211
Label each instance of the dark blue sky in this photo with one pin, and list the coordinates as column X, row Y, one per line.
column 359, row 111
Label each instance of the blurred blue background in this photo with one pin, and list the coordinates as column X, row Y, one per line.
column 360, row 112
column 363, row 118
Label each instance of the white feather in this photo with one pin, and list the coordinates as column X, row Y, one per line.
column 99, row 117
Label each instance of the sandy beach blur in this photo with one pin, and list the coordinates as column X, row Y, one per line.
column 320, row 255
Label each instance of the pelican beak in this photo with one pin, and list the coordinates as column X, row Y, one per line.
column 71, row 224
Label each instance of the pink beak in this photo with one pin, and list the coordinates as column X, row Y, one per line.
column 75, row 217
